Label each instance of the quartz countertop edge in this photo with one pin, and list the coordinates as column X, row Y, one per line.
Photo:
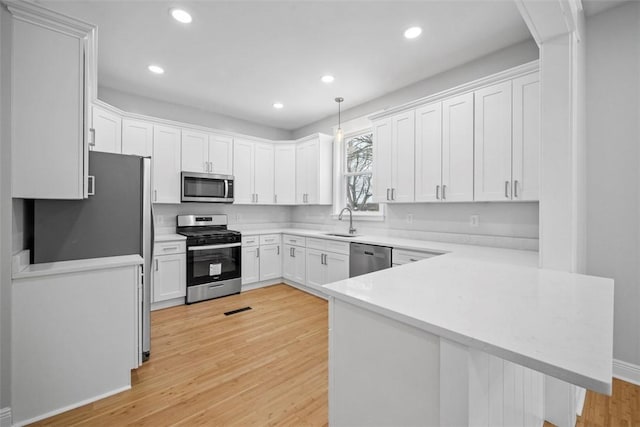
column 530, row 316
column 64, row 267
column 168, row 237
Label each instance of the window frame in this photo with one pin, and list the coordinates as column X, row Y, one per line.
column 340, row 178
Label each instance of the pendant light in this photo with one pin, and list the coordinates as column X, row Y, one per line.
column 339, row 133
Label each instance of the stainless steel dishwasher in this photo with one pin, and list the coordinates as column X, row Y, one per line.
column 365, row 259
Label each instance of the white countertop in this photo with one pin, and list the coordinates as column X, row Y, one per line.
column 557, row 323
column 64, row 267
column 170, row 237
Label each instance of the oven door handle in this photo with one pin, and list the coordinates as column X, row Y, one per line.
column 204, row 248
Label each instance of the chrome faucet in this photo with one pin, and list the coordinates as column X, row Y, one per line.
column 351, row 229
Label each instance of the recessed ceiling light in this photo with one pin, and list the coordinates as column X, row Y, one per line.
column 156, row 69
column 327, row 79
column 181, row 16
column 278, row 105
column 413, row 32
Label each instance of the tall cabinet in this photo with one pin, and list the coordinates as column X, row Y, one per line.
column 53, row 81
column 166, row 164
column 457, row 149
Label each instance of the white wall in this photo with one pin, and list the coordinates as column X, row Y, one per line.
column 513, row 225
column 5, row 212
column 165, row 110
column 500, row 60
column 613, row 180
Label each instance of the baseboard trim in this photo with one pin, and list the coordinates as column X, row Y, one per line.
column 72, row 406
column 263, row 284
column 626, row 371
column 167, row 303
column 306, row 289
column 5, row 417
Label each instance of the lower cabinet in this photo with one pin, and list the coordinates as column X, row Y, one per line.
column 325, row 267
column 294, row 263
column 261, row 258
column 169, row 271
column 250, row 264
column 270, row 262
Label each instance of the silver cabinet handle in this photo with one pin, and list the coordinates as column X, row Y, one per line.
column 515, row 189
column 393, row 194
column 91, row 183
column 155, row 195
column 437, row 192
column 92, row 140
column 210, row 166
column 256, row 197
column 156, row 265
column 170, row 248
column 257, row 252
column 291, row 252
column 387, row 193
column 506, row 189
column 444, row 192
column 278, row 253
column 322, row 259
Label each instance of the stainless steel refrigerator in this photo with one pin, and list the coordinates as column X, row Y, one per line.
column 117, row 220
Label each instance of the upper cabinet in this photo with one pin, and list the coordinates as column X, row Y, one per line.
column 284, row 174
column 457, row 149
column 314, row 170
column 507, row 140
column 106, row 129
column 393, row 156
column 166, row 164
column 137, row 137
column 253, row 163
column 207, row 153
column 53, row 69
column 428, row 165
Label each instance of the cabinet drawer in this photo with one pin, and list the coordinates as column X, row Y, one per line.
column 290, row 239
column 401, row 256
column 328, row 245
column 166, row 248
column 251, row 240
column 270, row 239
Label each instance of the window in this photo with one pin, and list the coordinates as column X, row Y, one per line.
column 358, row 173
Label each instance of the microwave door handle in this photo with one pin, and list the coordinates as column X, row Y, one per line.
column 226, row 188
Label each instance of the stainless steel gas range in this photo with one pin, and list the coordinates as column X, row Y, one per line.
column 213, row 257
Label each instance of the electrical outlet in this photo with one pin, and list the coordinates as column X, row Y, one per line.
column 474, row 220
column 409, row 219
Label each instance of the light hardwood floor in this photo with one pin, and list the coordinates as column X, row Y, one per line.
column 265, row 366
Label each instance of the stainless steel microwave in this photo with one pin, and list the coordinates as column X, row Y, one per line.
column 206, row 187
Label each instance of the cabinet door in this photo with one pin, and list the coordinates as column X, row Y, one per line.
column 382, row 148
column 403, row 157
column 526, row 137
column 428, row 152
column 221, row 154
column 107, row 128
column 316, row 271
column 270, row 262
column 250, row 264
column 300, row 262
column 288, row 263
column 243, row 166
column 301, row 173
column 457, row 148
column 312, row 160
column 137, row 137
column 48, row 113
column 166, row 164
column 337, row 267
column 169, row 277
column 195, row 151
column 492, row 158
column 284, row 170
column 263, row 174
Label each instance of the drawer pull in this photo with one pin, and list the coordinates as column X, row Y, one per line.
column 413, row 259
column 215, row 286
column 170, row 248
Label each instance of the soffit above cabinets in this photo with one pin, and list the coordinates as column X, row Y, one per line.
column 239, row 57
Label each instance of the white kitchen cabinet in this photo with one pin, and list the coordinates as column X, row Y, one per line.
column 107, row 130
column 402, row 256
column 393, row 144
column 457, row 149
column 137, row 137
column 526, row 137
column 206, row 153
column 316, row 272
column 294, row 263
column 428, row 163
column 166, row 164
column 253, row 164
column 250, row 264
column 314, row 170
column 337, row 267
column 284, row 171
column 270, row 261
column 492, row 177
column 169, row 271
column 53, row 83
column 326, row 266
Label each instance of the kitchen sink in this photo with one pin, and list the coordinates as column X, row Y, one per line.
column 341, row 235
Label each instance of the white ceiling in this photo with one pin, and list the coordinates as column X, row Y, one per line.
column 239, row 57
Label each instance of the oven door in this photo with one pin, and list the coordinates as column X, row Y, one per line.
column 207, row 264
column 204, row 187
